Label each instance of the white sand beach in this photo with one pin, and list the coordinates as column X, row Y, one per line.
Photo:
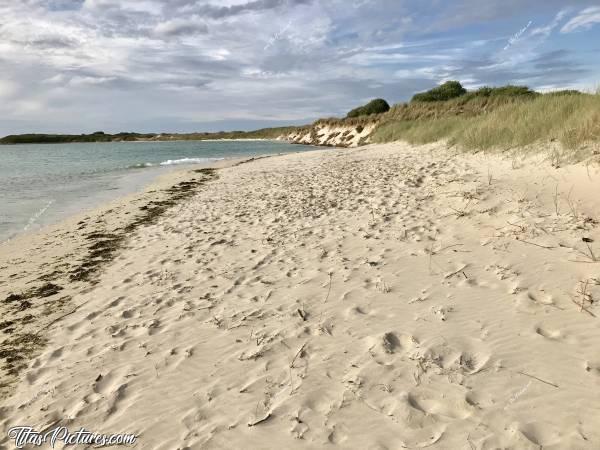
column 382, row 297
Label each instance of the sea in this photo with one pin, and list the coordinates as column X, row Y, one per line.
column 41, row 184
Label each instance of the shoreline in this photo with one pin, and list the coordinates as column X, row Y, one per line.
column 157, row 181
column 127, row 176
column 80, row 244
column 417, row 295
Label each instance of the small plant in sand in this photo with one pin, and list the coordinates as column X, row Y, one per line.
column 585, row 299
column 588, row 254
column 382, row 287
column 556, row 206
column 588, row 243
column 299, row 354
column 572, row 207
column 459, row 213
column 330, row 273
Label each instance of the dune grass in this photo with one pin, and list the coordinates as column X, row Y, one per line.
column 470, row 104
column 573, row 119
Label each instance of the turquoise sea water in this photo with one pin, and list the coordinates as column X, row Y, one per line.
column 41, row 184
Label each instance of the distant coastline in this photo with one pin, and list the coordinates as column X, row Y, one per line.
column 100, row 136
column 488, row 118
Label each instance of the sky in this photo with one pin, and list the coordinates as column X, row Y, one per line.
column 79, row 66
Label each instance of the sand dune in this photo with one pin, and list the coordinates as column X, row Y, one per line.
column 376, row 298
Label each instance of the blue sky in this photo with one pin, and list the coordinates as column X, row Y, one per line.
column 79, row 66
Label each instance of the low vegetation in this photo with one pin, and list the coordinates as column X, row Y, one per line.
column 446, row 91
column 377, row 106
column 488, row 118
column 99, row 136
column 503, row 92
column 468, row 104
column 264, row 133
column 569, row 117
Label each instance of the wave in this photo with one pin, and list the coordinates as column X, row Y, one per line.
column 140, row 166
column 175, row 162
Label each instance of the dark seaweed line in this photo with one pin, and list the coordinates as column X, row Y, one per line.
column 105, row 246
column 102, row 249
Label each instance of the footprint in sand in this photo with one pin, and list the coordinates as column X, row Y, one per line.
column 537, row 433
column 592, row 367
column 356, row 312
column 467, row 356
column 529, row 302
column 338, row 435
column 433, row 404
column 385, row 348
column 554, row 335
column 34, row 375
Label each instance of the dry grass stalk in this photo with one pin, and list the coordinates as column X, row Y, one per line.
column 329, row 290
column 461, row 212
column 590, row 252
column 571, row 205
column 585, row 298
column 298, row 354
column 383, row 287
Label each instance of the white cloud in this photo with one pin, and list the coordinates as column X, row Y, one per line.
column 218, row 54
column 78, row 61
column 7, row 88
column 28, row 106
column 87, row 80
column 141, row 6
column 56, row 79
column 429, row 73
column 547, row 30
column 584, row 20
column 181, row 27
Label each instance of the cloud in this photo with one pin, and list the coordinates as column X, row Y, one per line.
column 86, row 81
column 584, row 20
column 7, row 88
column 180, row 27
column 56, row 79
column 220, row 12
column 165, row 64
column 546, row 30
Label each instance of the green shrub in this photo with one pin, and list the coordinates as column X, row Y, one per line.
column 504, row 91
column 376, row 106
column 447, row 91
column 564, row 92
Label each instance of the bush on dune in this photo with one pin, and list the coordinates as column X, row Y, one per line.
column 376, row 106
column 447, row 91
column 564, row 92
column 488, row 118
column 503, row 91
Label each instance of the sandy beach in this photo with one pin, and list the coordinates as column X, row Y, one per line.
column 381, row 297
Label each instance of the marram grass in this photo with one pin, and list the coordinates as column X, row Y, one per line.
column 573, row 120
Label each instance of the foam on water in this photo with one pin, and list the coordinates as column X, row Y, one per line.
column 176, row 162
